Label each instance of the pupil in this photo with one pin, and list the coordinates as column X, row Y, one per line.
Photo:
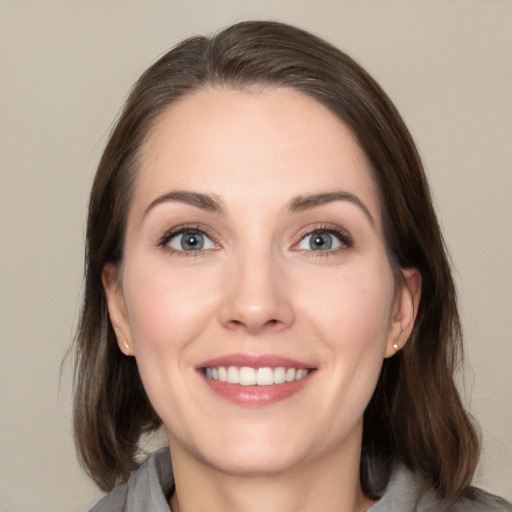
column 321, row 241
column 192, row 241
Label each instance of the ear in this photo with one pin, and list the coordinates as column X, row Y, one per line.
column 406, row 305
column 117, row 308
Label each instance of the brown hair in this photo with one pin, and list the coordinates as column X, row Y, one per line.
column 415, row 415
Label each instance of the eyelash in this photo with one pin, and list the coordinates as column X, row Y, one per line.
column 343, row 237
column 163, row 243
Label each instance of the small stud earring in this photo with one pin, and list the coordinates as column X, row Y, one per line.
column 395, row 344
column 126, row 345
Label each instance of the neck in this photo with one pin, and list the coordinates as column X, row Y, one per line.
column 329, row 484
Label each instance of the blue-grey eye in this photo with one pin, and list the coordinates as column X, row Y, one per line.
column 191, row 241
column 319, row 241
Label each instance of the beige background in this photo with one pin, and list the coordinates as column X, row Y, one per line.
column 65, row 68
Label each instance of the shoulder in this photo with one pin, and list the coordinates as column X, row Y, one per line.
column 408, row 491
column 147, row 488
column 473, row 499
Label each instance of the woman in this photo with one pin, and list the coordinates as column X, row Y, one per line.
column 265, row 277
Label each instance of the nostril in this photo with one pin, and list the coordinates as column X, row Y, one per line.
column 240, row 324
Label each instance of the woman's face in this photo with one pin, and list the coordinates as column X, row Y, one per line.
column 255, row 290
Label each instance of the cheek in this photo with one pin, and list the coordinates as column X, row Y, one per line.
column 352, row 317
column 166, row 308
column 352, row 308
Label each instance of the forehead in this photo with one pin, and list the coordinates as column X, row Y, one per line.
column 250, row 143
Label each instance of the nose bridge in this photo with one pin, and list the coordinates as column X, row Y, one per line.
column 256, row 294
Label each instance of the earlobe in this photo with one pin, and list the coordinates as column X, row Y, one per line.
column 405, row 309
column 117, row 309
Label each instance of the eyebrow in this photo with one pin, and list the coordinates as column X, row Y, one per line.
column 213, row 203
column 305, row 202
column 208, row 202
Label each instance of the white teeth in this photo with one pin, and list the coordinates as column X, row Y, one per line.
column 264, row 377
column 300, row 374
column 279, row 375
column 247, row 376
column 232, row 376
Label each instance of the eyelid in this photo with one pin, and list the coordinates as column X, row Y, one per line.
column 164, row 240
column 340, row 233
column 344, row 237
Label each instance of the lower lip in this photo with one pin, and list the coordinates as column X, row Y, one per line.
column 256, row 396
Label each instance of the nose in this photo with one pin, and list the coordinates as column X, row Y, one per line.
column 258, row 296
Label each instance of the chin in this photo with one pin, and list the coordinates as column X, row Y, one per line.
column 254, row 450
column 263, row 462
column 269, row 450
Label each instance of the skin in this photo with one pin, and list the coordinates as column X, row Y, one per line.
column 257, row 288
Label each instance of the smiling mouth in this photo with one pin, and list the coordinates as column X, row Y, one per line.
column 247, row 376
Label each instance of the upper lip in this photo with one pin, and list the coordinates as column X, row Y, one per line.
column 254, row 361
